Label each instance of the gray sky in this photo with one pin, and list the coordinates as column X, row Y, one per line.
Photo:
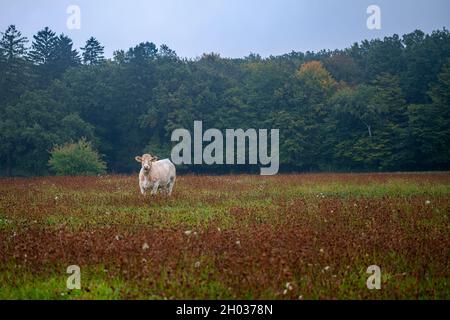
column 233, row 28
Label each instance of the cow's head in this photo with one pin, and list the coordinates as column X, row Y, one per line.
column 146, row 161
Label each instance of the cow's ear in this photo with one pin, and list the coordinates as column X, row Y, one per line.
column 155, row 158
column 138, row 159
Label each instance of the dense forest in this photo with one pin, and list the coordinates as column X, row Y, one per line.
column 378, row 105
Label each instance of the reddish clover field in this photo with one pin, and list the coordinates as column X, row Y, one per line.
column 306, row 236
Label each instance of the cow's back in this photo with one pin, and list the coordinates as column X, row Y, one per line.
column 163, row 170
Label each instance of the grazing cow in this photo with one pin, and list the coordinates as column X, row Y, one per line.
column 156, row 174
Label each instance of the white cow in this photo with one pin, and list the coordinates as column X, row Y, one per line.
column 156, row 174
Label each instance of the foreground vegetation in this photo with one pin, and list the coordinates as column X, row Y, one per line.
column 238, row 237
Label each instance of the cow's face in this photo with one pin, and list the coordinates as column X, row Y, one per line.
column 146, row 161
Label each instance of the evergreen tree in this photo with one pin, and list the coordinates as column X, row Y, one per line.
column 43, row 48
column 12, row 44
column 15, row 73
column 43, row 55
column 65, row 55
column 92, row 52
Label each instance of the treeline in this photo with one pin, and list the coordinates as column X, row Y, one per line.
column 378, row 105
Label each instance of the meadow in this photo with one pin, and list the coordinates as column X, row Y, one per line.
column 299, row 236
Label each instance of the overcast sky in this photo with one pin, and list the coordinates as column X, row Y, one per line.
column 233, row 28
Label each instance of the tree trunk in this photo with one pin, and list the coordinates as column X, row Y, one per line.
column 369, row 129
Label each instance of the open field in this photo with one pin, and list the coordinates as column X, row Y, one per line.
column 229, row 237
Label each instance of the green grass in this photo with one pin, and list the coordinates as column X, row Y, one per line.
column 251, row 237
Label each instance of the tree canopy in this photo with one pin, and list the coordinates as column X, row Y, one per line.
column 377, row 105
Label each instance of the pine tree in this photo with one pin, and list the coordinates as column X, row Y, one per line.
column 92, row 52
column 43, row 49
column 65, row 55
column 12, row 44
column 13, row 81
column 42, row 55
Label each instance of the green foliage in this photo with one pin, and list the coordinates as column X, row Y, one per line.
column 75, row 159
column 43, row 47
column 378, row 105
column 12, row 44
column 51, row 56
column 14, row 70
column 92, row 52
column 430, row 124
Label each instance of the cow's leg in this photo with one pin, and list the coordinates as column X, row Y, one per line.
column 141, row 186
column 155, row 188
column 167, row 189
column 170, row 186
